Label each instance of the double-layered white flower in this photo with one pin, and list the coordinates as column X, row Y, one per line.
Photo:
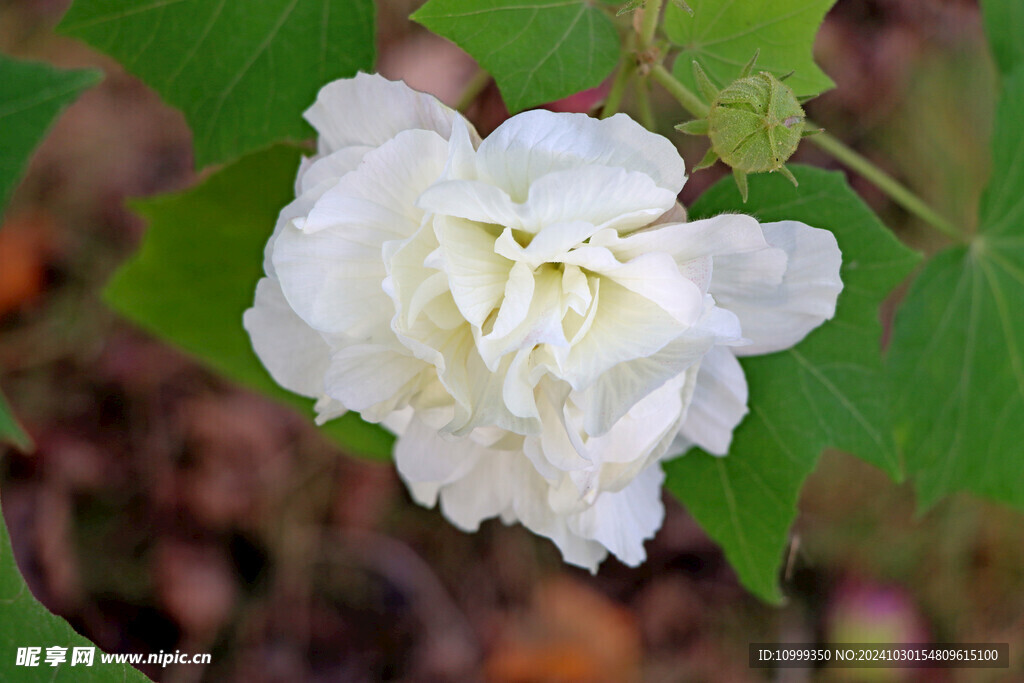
column 531, row 314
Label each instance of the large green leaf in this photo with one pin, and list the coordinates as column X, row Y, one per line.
column 723, row 36
column 828, row 391
column 537, row 50
column 241, row 71
column 32, row 94
column 24, row 622
column 197, row 270
column 958, row 342
column 1004, row 24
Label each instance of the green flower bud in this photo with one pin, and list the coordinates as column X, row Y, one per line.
column 755, row 124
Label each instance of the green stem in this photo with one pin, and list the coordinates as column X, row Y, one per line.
column 652, row 12
column 618, row 89
column 643, row 105
column 476, row 85
column 683, row 95
column 885, row 182
column 838, row 149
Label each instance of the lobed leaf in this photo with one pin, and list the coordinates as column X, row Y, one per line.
column 958, row 343
column 723, row 36
column 242, row 72
column 196, row 273
column 537, row 50
column 828, row 391
column 32, row 95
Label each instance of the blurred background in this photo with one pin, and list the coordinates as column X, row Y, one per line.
column 165, row 509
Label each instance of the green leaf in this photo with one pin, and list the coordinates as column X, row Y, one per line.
column 26, row 623
column 241, row 71
column 10, row 431
column 723, row 36
column 828, row 391
column 958, row 342
column 1004, row 24
column 32, row 94
column 537, row 50
column 197, row 270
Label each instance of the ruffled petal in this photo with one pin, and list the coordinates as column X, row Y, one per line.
column 424, row 456
column 622, row 520
column 778, row 309
column 295, row 354
column 369, row 110
column 655, row 277
column 604, row 197
column 476, row 275
column 724, row 234
column 331, row 266
column 618, row 390
column 330, row 168
column 533, row 144
column 625, row 326
column 362, row 376
column 719, row 402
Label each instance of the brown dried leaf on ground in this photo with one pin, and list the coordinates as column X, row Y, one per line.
column 570, row 633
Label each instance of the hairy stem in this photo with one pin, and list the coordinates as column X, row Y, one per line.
column 885, row 182
column 652, row 12
column 683, row 95
column 643, row 104
column 838, row 149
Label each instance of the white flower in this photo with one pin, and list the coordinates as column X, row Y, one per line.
column 531, row 314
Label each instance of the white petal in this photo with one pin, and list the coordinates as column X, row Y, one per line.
column 295, row 355
column 551, row 243
column 561, row 445
column 479, row 395
column 422, row 455
column 382, row 192
column 724, row 234
column 542, row 323
column 362, row 376
column 776, row 315
column 461, row 151
column 603, row 197
column 476, row 275
column 626, row 326
column 610, row 197
column 517, row 390
column 486, row 491
column 369, row 110
column 332, row 276
column 656, row 277
column 532, row 144
column 516, row 303
column 331, row 167
column 472, row 200
column 719, row 402
column 532, row 509
column 622, row 520
column 617, row 391
column 298, row 208
column 576, row 288
column 638, row 434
